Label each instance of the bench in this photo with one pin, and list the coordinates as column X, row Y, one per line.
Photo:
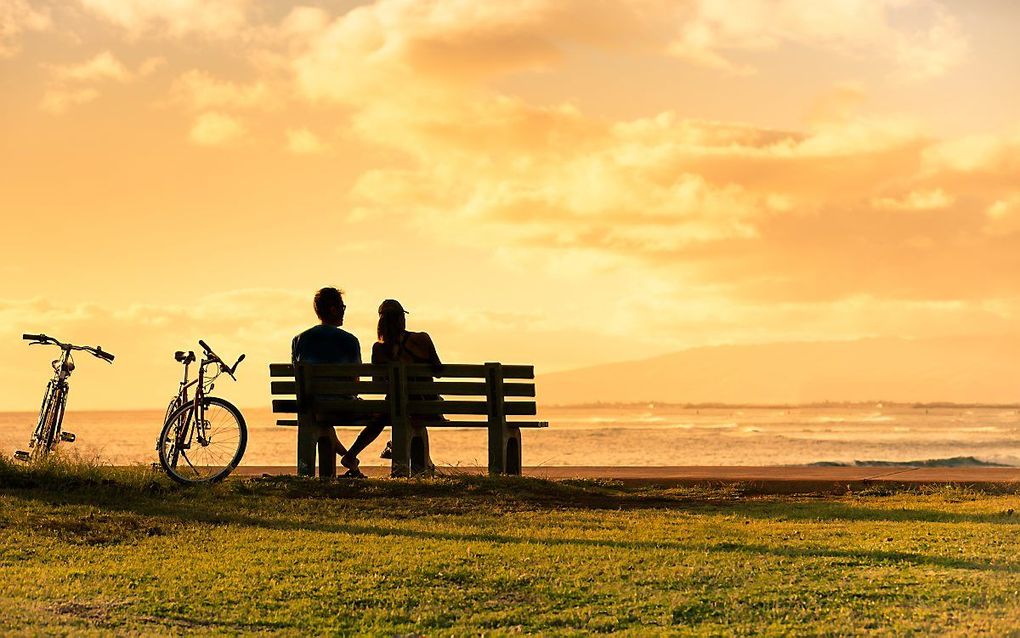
column 322, row 396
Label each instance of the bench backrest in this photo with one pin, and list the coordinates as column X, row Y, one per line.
column 405, row 391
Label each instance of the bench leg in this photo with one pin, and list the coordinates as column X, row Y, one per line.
column 420, row 459
column 512, row 451
column 306, row 444
column 327, row 455
column 401, row 464
column 505, row 451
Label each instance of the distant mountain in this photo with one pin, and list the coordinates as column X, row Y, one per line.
column 962, row 369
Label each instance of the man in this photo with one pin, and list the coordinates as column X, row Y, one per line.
column 329, row 343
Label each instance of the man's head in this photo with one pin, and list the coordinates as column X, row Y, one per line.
column 329, row 306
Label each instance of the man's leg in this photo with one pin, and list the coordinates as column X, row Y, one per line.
column 369, row 434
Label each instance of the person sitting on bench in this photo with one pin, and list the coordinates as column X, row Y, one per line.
column 397, row 345
column 329, row 343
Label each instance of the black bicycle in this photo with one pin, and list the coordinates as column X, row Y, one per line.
column 51, row 414
column 203, row 437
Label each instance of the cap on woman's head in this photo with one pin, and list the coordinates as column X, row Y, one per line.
column 391, row 305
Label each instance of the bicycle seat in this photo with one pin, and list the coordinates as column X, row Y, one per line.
column 184, row 357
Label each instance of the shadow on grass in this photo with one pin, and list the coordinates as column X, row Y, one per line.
column 212, row 512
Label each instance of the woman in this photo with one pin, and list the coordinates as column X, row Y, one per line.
column 397, row 345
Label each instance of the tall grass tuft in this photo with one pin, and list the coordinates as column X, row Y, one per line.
column 72, row 470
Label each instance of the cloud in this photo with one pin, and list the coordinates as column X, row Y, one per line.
column 216, row 129
column 217, row 19
column 710, row 32
column 1004, row 216
column 17, row 17
column 75, row 84
column 104, row 66
column 915, row 200
column 304, row 142
column 773, row 215
column 60, row 100
column 199, row 90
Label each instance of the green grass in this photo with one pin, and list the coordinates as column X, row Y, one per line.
column 86, row 549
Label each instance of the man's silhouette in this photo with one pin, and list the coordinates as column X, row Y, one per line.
column 329, row 343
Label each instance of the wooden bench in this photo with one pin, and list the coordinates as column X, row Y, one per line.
column 408, row 398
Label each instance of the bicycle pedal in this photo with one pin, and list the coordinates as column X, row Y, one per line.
column 67, row 437
column 22, row 455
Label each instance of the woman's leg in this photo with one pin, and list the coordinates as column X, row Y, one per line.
column 369, row 434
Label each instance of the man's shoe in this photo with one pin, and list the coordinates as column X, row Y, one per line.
column 350, row 462
column 388, row 452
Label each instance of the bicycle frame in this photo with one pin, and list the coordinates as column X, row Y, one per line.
column 185, row 436
column 57, row 387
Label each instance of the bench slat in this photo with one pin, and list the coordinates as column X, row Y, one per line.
column 448, row 424
column 468, row 371
column 285, row 406
column 477, row 424
column 332, row 370
column 468, row 388
column 335, row 408
column 468, row 407
column 450, row 370
column 350, row 387
column 332, row 387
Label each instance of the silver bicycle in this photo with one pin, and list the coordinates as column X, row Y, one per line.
column 51, row 414
column 203, row 437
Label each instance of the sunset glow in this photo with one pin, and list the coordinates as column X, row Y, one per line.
column 557, row 182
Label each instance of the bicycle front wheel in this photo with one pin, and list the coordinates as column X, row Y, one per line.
column 203, row 444
column 52, row 412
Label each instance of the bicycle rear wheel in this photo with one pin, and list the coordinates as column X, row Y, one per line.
column 202, row 445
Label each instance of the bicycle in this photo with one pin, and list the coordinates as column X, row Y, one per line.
column 51, row 413
column 203, row 437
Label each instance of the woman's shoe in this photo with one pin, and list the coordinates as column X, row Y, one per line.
column 388, row 452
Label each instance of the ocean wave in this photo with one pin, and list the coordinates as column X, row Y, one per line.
column 955, row 461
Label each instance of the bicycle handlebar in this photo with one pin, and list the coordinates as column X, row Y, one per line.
column 102, row 354
column 215, row 357
column 46, row 339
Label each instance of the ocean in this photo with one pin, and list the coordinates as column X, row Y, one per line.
column 620, row 435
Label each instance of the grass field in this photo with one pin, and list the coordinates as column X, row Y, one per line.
column 93, row 550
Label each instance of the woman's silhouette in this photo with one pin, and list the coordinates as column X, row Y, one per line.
column 398, row 345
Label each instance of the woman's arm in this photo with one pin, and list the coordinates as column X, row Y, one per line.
column 430, row 349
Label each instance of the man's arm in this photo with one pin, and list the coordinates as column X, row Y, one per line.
column 294, row 349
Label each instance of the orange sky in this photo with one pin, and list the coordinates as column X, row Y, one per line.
column 562, row 182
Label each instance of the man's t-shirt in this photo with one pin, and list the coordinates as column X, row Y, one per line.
column 325, row 344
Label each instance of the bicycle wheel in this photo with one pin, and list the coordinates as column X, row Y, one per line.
column 203, row 445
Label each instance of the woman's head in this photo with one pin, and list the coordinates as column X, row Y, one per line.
column 392, row 322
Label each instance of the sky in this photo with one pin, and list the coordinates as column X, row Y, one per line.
column 557, row 182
